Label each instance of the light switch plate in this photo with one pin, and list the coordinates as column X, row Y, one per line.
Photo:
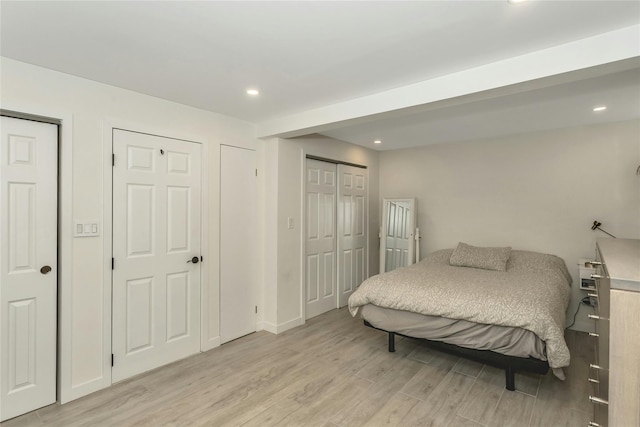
column 86, row 228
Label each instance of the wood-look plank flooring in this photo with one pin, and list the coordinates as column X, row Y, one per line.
column 331, row 372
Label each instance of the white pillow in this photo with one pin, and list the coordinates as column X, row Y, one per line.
column 485, row 258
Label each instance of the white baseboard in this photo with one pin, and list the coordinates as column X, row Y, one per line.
column 267, row 326
column 263, row 326
column 281, row 327
column 289, row 325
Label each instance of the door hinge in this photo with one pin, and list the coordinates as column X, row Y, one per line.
column 201, row 258
column 111, row 359
column 256, row 309
column 113, row 263
column 113, row 159
column 256, row 172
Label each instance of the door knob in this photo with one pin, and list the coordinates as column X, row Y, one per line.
column 194, row 260
column 45, row 269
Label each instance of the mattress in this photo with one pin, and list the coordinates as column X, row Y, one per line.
column 532, row 295
column 510, row 341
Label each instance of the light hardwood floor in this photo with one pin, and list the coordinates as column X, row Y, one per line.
column 331, row 372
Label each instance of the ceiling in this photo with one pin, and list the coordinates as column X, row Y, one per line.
column 314, row 62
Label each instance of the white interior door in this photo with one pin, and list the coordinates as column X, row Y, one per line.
column 28, row 265
column 320, row 256
column 238, row 256
column 156, row 250
column 352, row 225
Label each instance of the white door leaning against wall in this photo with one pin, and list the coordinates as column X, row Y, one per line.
column 156, row 251
column 28, row 265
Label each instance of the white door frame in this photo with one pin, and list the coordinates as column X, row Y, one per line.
column 107, row 227
column 303, row 226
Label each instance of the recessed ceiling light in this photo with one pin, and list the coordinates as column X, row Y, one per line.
column 253, row 92
column 516, row 1
column 600, row 108
column 377, row 141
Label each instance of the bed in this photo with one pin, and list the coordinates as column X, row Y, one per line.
column 498, row 306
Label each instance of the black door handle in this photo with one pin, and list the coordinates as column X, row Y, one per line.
column 194, row 260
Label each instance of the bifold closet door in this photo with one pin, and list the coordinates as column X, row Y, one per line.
column 156, row 251
column 320, row 253
column 352, row 226
column 28, row 265
column 238, row 242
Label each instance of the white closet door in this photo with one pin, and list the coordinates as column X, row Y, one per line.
column 238, row 242
column 28, row 265
column 352, row 226
column 156, row 247
column 320, row 256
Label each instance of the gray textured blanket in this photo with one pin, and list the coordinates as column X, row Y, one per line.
column 532, row 294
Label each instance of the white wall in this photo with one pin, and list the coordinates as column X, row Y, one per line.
column 90, row 106
column 284, row 166
column 539, row 191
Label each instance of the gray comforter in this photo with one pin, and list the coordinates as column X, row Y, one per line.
column 532, row 294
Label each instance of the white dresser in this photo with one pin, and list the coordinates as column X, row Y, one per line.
column 615, row 373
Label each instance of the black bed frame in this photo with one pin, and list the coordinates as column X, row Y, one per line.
column 510, row 364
